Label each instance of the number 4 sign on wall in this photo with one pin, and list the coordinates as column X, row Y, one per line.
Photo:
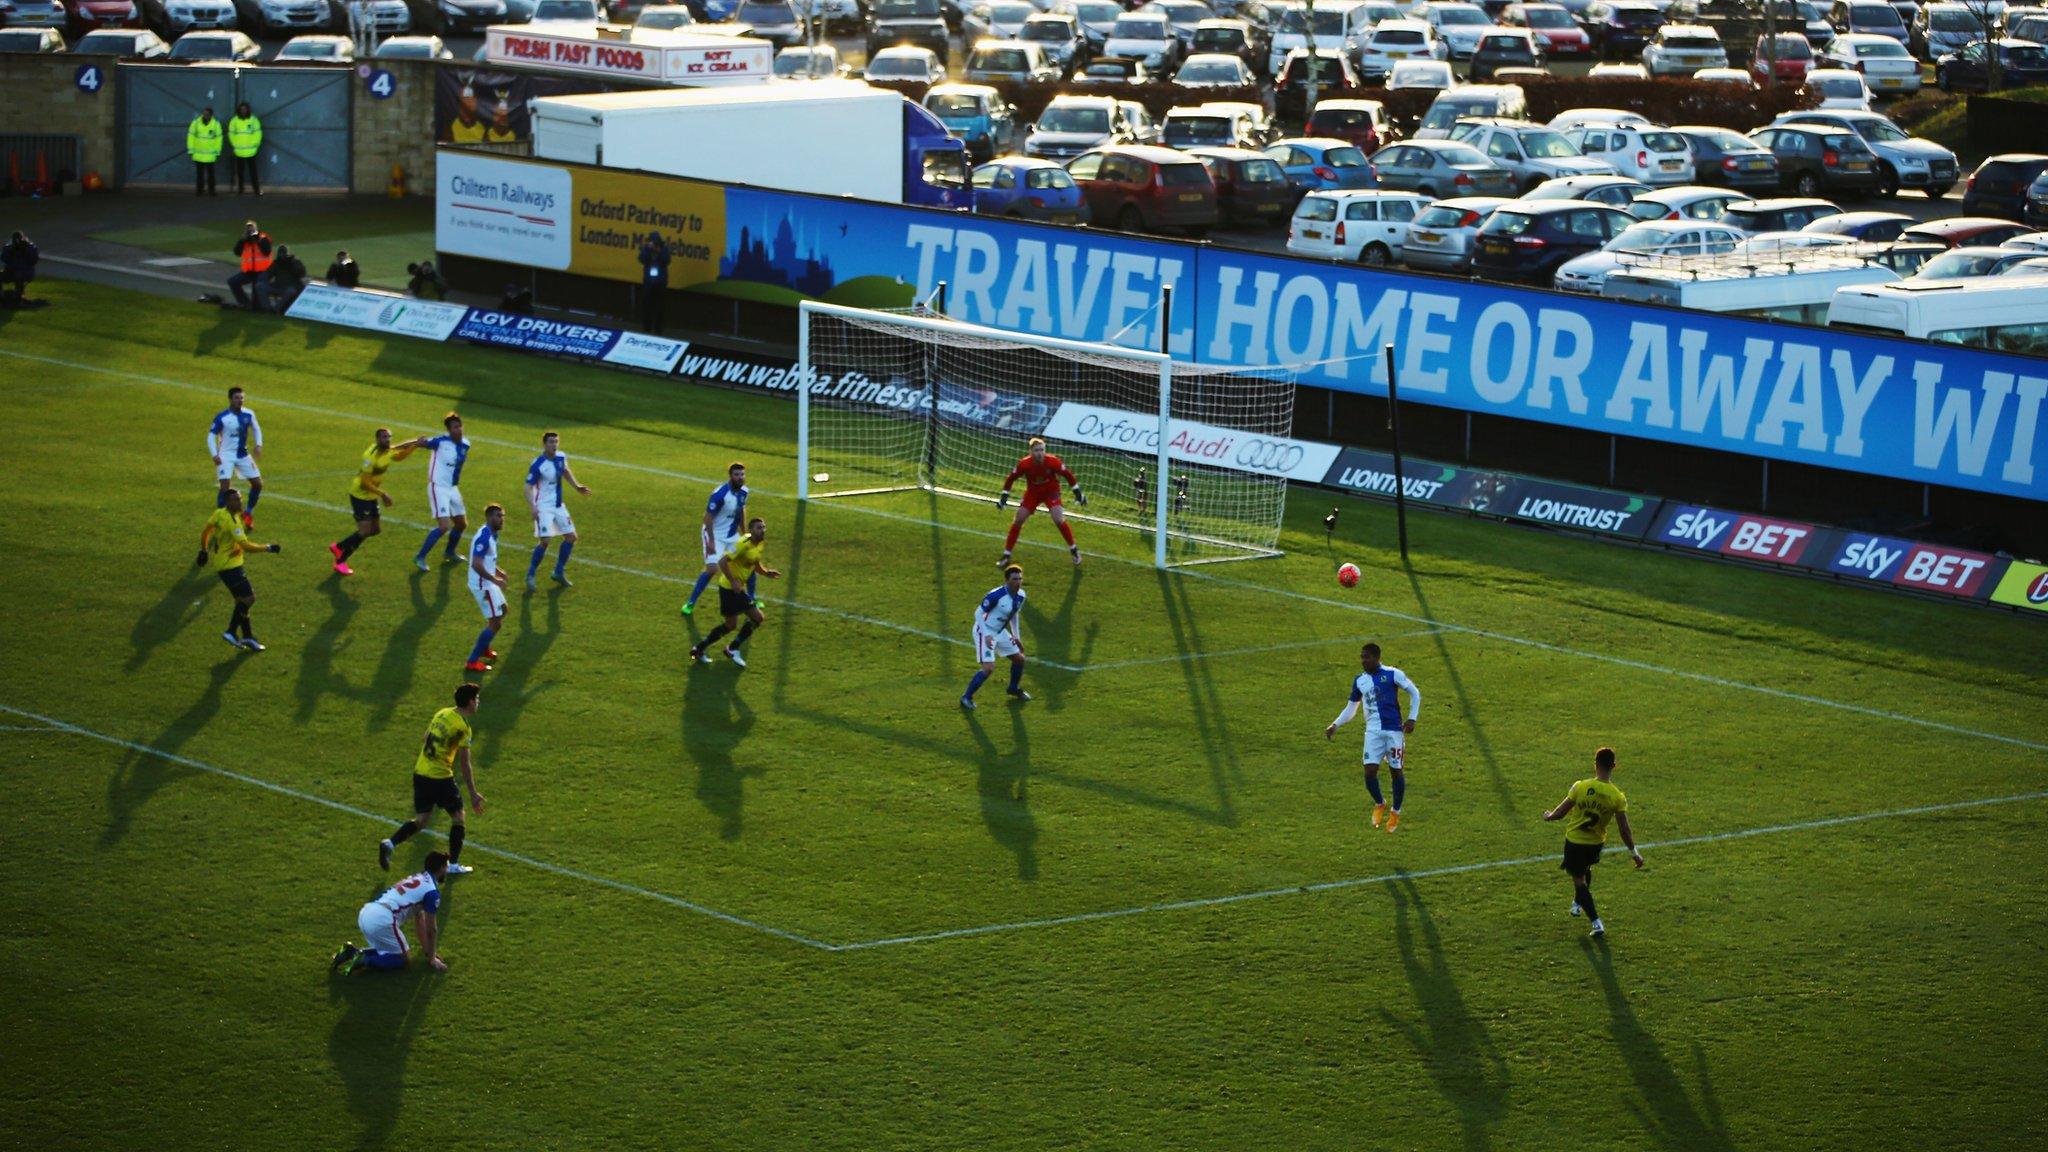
column 90, row 78
column 380, row 83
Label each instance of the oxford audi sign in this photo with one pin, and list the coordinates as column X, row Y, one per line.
column 1191, row 443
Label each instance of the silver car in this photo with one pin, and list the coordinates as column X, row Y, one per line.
column 1530, row 151
column 1440, row 239
column 35, row 14
column 1903, row 161
column 1441, row 168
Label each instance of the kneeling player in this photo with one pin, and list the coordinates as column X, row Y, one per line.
column 1042, row 474
column 995, row 635
column 382, row 922
column 736, row 571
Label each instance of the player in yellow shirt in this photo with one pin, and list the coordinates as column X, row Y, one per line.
column 740, row 562
column 445, row 748
column 1586, row 811
column 367, row 493
column 223, row 541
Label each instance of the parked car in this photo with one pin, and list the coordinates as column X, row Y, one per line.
column 1875, row 227
column 1367, row 227
column 1779, row 214
column 1903, row 161
column 1184, row 15
column 911, row 68
column 187, row 15
column 977, row 114
column 2002, row 183
column 1531, row 152
column 1140, row 187
column 1573, row 118
column 1887, row 67
column 393, row 18
column 1957, row 231
column 1458, row 25
column 1503, row 48
column 1393, row 41
column 2034, row 212
column 1867, row 17
column 1838, row 89
column 413, row 48
column 1971, row 261
column 994, row 20
column 1788, row 247
column 1728, row 158
column 1028, row 188
column 2021, row 64
column 1115, row 70
column 30, row 41
column 1290, row 86
column 1221, row 125
column 1316, row 165
column 1621, row 28
column 1527, row 240
column 1059, row 36
column 1096, row 18
column 1651, row 243
column 1467, row 101
column 1655, row 156
column 919, row 23
column 454, row 17
column 1556, row 32
column 1939, row 29
column 1433, row 75
column 1787, row 62
column 132, row 43
column 1733, row 77
column 1613, row 191
column 1438, row 168
column 87, row 15
column 1007, row 62
column 1250, row 186
column 1815, row 158
column 1214, row 70
column 1685, row 202
column 1146, row 36
column 659, row 17
column 815, row 62
column 1441, row 237
column 1362, row 122
column 215, row 47
column 1073, row 124
column 1682, row 49
column 1240, row 38
column 34, row 14
column 1617, row 70
column 775, row 21
column 317, row 50
column 1143, row 129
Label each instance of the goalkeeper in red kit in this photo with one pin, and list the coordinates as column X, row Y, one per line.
column 1041, row 473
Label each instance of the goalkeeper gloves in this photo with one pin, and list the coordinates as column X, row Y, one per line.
column 1003, row 501
column 1080, row 497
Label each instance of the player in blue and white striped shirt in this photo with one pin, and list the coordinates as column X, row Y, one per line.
column 996, row 621
column 545, row 480
column 725, row 519
column 1376, row 691
column 235, row 441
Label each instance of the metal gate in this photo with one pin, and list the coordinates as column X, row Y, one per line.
column 305, row 114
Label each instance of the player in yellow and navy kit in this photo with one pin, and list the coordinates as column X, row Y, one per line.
column 223, row 541
column 444, row 749
column 1586, row 810
column 735, row 569
column 367, row 493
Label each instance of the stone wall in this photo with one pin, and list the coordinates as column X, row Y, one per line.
column 396, row 130
column 39, row 94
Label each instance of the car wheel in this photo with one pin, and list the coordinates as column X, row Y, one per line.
column 1887, row 181
column 1129, row 219
column 1807, row 184
column 1941, row 79
column 1937, row 191
column 1530, row 185
column 1426, row 190
column 1375, row 255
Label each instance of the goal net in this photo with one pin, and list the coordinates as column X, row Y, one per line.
column 895, row 401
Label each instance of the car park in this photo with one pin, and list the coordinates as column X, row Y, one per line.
column 1146, row 36
column 227, row 47
column 317, row 50
column 1613, row 191
column 1867, row 17
column 1433, row 75
column 1459, row 26
column 1726, row 157
column 1223, row 125
column 910, row 66
column 1620, row 28
column 1441, row 237
column 1685, row 202
column 1503, row 48
column 131, row 43
column 1438, row 168
column 1073, row 124
column 1903, row 161
column 1312, row 164
column 1250, row 187
column 1528, row 240
column 1505, row 101
column 413, row 48
column 1363, row 226
column 920, row 23
column 1816, row 158
column 1556, row 32
column 1139, row 187
column 1214, row 70
column 1533, row 153
column 2002, row 183
column 1655, row 156
column 1059, row 36
column 30, row 41
column 1648, row 243
column 1028, row 188
column 1957, row 231
column 1887, row 67
column 1392, row 42
column 2021, row 64
column 1784, row 59
column 1363, row 123
column 1682, row 49
column 1778, row 214
column 977, row 114
column 1290, row 86
column 1867, row 226
column 1007, row 62
column 1838, row 89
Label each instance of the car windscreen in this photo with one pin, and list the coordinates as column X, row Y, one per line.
column 1638, row 17
column 1074, row 120
column 897, row 66
column 1547, row 146
column 1218, row 39
column 1181, row 130
column 208, row 48
column 1346, row 157
column 1328, row 118
column 2026, row 56
column 1548, row 18
column 756, row 12
column 999, row 60
column 1183, row 175
column 1317, row 208
column 1210, row 72
column 1042, row 178
column 26, row 41
column 1885, row 49
column 1140, row 28
column 1397, row 38
column 1692, row 43
column 1456, row 17
column 953, row 104
column 1260, row 171
column 900, row 9
column 1459, row 156
column 1441, row 216
column 1850, row 86
column 1664, row 142
column 1953, row 21
column 1874, row 16
column 1052, row 30
column 1506, row 223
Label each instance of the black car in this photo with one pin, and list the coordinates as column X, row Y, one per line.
column 1290, row 85
column 1503, row 48
column 2035, row 213
column 1620, row 28
column 916, row 22
column 1728, row 159
column 1526, row 240
column 2021, row 64
column 1777, row 215
column 1813, row 159
column 1999, row 185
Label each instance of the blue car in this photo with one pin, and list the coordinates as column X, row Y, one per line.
column 1321, row 164
column 1029, row 188
column 978, row 115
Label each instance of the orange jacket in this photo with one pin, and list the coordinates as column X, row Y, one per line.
column 255, row 252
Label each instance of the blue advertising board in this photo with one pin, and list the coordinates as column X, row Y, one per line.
column 1913, row 411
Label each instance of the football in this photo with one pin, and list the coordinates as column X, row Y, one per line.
column 1348, row 575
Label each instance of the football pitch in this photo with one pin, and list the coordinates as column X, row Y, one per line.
column 814, row 904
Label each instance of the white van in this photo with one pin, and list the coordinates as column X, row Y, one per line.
column 1798, row 291
column 1998, row 313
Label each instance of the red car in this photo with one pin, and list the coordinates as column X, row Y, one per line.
column 1795, row 59
column 1963, row 231
column 91, row 15
column 1361, row 123
column 1142, row 187
column 1556, row 32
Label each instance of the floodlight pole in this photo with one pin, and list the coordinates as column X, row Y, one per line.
column 1165, row 427
column 1400, row 483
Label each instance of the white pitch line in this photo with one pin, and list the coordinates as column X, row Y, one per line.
column 43, row 728
column 1261, row 650
column 1559, row 649
column 471, row 845
column 1426, row 873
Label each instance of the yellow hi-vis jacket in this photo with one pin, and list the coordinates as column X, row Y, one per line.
column 245, row 135
column 202, row 140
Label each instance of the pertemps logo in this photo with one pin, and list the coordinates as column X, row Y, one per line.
column 391, row 313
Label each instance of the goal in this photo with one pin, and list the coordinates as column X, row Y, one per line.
column 910, row 400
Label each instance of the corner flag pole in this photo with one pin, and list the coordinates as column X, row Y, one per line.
column 1394, row 425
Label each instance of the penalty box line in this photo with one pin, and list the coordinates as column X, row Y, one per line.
column 55, row 725
column 1225, row 581
column 1420, row 874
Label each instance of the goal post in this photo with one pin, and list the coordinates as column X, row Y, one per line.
column 914, row 401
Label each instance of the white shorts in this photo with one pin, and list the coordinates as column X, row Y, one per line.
column 381, row 929
column 233, row 466
column 446, row 502
column 489, row 597
column 549, row 522
column 1389, row 746
column 714, row 550
column 995, row 645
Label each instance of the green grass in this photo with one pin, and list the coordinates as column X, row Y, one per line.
column 1876, row 984
column 1950, row 127
column 383, row 236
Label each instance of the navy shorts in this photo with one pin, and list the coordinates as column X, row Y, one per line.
column 1580, row 857
column 237, row 582
column 732, row 602
column 364, row 509
column 431, row 792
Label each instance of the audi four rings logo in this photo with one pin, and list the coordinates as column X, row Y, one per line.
column 1270, row 455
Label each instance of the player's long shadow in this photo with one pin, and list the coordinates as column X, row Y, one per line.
column 1205, row 703
column 1501, row 790
column 1053, row 637
column 1452, row 1043
column 372, row 1041
column 1002, row 780
column 715, row 721
column 510, row 688
column 182, row 603
column 1666, row 1110
column 317, row 677
column 141, row 774
column 792, row 573
column 395, row 668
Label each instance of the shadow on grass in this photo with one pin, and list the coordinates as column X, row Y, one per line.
column 317, row 676
column 182, row 603
column 512, row 687
column 715, row 721
column 1666, row 1110
column 236, row 326
column 1053, row 637
column 1205, row 703
column 395, row 668
column 1499, row 778
column 372, row 1042
column 1001, row 782
column 1451, row 1043
column 142, row 774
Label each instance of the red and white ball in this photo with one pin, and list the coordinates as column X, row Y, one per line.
column 1348, row 575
